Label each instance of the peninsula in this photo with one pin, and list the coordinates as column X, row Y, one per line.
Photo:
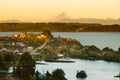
column 44, row 46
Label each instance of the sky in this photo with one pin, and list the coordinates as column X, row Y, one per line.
column 41, row 10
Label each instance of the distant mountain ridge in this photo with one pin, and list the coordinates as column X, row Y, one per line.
column 64, row 18
column 11, row 21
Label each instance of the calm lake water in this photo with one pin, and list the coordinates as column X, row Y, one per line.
column 99, row 39
column 96, row 70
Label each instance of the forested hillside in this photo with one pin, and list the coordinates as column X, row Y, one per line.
column 58, row 27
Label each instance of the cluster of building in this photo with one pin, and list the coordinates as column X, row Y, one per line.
column 29, row 35
column 14, row 43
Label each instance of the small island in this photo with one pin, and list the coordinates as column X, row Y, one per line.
column 81, row 74
column 117, row 76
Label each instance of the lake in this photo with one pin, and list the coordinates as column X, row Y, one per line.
column 99, row 39
column 96, row 70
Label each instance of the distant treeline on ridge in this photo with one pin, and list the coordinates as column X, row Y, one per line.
column 58, row 27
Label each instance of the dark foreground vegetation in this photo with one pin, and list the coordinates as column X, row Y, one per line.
column 24, row 69
column 58, row 27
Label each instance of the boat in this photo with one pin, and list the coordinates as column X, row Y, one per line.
column 41, row 62
column 60, row 61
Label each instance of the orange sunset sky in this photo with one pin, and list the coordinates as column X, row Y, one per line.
column 41, row 10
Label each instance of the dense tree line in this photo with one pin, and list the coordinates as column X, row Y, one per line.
column 93, row 53
column 58, row 27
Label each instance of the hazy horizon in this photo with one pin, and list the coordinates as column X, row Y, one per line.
column 43, row 10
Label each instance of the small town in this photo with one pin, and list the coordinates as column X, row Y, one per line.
column 37, row 44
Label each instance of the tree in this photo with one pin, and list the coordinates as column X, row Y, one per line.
column 27, row 66
column 106, row 48
column 37, row 75
column 58, row 74
column 48, row 74
column 81, row 74
column 119, row 49
column 3, row 65
column 9, row 58
column 47, row 33
column 2, row 62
